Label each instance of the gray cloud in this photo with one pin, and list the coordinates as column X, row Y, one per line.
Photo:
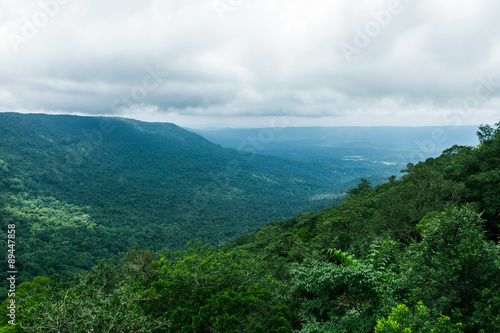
column 264, row 57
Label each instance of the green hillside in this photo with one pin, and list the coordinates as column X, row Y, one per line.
column 415, row 254
column 82, row 189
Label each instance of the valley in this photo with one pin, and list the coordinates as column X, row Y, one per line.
column 150, row 226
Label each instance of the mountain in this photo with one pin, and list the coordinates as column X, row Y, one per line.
column 393, row 144
column 85, row 188
column 419, row 253
column 374, row 153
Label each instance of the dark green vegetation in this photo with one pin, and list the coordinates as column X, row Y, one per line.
column 415, row 254
column 82, row 189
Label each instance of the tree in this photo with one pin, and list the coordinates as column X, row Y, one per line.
column 364, row 185
column 485, row 133
column 337, row 298
column 215, row 290
column 452, row 265
column 98, row 301
column 416, row 320
column 401, row 207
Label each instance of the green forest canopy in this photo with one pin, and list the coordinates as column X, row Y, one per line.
column 416, row 254
column 84, row 189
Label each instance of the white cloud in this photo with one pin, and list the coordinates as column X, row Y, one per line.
column 265, row 57
column 7, row 99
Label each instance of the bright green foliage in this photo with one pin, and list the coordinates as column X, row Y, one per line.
column 417, row 320
column 47, row 213
column 343, row 258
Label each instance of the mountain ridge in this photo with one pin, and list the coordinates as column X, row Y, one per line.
column 150, row 185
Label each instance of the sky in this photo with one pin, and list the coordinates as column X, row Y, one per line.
column 254, row 63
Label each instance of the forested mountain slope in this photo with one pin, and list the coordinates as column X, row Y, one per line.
column 86, row 188
column 416, row 254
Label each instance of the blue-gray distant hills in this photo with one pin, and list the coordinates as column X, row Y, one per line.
column 393, row 144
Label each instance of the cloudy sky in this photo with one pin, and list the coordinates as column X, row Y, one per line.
column 246, row 62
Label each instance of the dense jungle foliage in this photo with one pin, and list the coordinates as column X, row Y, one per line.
column 414, row 254
column 84, row 189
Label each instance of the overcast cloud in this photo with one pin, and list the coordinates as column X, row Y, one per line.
column 241, row 62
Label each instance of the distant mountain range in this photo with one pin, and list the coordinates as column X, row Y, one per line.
column 392, row 144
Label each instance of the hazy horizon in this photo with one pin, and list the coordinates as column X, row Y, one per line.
column 219, row 127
